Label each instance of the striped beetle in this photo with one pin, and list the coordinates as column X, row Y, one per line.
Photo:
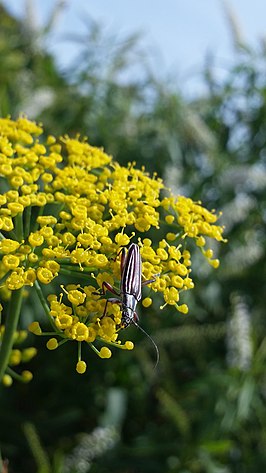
column 130, row 290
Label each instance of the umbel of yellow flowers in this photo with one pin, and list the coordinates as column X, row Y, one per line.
column 66, row 209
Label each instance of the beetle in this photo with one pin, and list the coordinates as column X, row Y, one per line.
column 130, row 290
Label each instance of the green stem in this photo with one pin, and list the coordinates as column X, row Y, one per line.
column 11, row 323
column 79, row 351
column 14, row 374
column 13, row 235
column 73, row 267
column 71, row 273
column 27, row 220
column 43, row 301
column 39, row 214
column 94, row 349
column 2, row 280
column 19, row 226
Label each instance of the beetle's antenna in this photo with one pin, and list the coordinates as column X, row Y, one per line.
column 152, row 341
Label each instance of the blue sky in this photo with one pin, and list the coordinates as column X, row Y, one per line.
column 177, row 33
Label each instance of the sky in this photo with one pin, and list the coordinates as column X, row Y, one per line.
column 177, row 34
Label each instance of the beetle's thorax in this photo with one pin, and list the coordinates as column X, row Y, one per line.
column 129, row 315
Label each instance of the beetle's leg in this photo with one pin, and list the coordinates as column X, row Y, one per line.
column 108, row 287
column 112, row 300
column 149, row 281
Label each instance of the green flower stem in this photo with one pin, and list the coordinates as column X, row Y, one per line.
column 19, row 226
column 71, row 268
column 113, row 344
column 79, row 351
column 2, row 280
column 27, row 220
column 39, row 214
column 11, row 323
column 94, row 349
column 13, row 235
column 14, row 375
column 71, row 273
column 43, row 301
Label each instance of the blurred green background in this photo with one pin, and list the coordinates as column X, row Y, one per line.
column 203, row 410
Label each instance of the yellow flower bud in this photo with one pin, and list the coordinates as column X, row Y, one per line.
column 169, row 219
column 52, row 344
column 28, row 353
column 7, row 380
column 81, row 367
column 105, row 353
column 26, row 376
column 147, row 302
column 183, row 308
column 170, row 236
column 35, row 328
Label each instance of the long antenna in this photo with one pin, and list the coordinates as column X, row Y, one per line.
column 152, row 341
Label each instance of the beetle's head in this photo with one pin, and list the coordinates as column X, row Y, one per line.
column 129, row 317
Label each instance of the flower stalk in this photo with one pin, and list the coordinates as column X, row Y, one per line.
column 11, row 324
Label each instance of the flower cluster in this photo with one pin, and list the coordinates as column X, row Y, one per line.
column 67, row 209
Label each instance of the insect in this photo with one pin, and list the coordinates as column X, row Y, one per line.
column 130, row 290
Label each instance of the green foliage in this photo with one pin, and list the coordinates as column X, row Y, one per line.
column 204, row 410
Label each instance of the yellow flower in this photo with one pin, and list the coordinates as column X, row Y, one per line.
column 80, row 332
column 63, row 321
column 10, row 261
column 76, row 297
column 67, row 210
column 171, row 295
column 44, row 275
column 8, row 246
